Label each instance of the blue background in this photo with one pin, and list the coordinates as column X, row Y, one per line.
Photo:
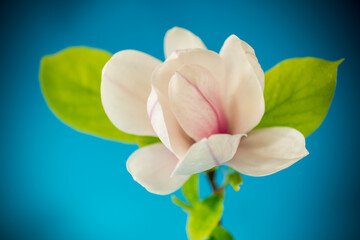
column 57, row 183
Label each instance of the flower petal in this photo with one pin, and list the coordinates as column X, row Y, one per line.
column 157, row 119
column 269, row 150
column 208, row 153
column 180, row 38
column 166, row 126
column 196, row 103
column 245, row 103
column 180, row 142
column 125, row 87
column 151, row 166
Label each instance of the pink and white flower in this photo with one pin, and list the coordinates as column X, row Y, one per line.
column 202, row 105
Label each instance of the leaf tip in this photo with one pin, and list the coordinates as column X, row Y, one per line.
column 340, row 61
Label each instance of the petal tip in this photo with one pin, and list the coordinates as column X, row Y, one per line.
column 306, row 152
column 175, row 28
column 233, row 36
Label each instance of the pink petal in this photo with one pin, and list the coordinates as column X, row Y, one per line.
column 245, row 101
column 269, row 150
column 179, row 140
column 196, row 103
column 180, row 38
column 208, row 153
column 125, row 87
column 166, row 126
column 151, row 166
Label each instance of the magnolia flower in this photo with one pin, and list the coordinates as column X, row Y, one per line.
column 203, row 107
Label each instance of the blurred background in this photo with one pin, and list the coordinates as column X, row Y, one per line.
column 56, row 183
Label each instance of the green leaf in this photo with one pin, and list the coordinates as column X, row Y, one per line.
column 180, row 203
column 204, row 217
column 220, row 233
column 235, row 180
column 298, row 93
column 145, row 141
column 190, row 189
column 70, row 81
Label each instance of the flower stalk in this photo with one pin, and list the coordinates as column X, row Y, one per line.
column 211, row 177
column 215, row 189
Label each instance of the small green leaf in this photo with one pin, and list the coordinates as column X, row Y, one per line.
column 204, row 217
column 180, row 203
column 70, row 81
column 298, row 93
column 220, row 233
column 235, row 180
column 190, row 189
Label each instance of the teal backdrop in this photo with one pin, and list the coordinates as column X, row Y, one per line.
column 56, row 183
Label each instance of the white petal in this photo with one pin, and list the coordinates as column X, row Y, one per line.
column 269, row 150
column 180, row 38
column 208, row 153
column 179, row 140
column 125, row 87
column 245, row 101
column 157, row 119
column 195, row 102
column 151, row 166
